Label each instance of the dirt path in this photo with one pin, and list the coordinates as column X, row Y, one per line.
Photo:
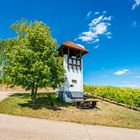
column 23, row 128
column 5, row 94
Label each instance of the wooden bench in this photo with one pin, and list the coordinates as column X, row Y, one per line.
column 86, row 104
column 82, row 102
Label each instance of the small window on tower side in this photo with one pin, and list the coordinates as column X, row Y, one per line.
column 74, row 68
column 70, row 61
column 74, row 61
column 78, row 62
column 74, row 81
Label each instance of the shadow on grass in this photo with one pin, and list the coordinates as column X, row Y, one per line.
column 43, row 100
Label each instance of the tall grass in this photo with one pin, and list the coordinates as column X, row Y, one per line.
column 128, row 96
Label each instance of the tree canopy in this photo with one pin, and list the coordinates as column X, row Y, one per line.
column 31, row 59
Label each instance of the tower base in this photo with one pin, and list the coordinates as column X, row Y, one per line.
column 68, row 96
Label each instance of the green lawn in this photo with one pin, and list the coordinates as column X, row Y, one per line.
column 107, row 114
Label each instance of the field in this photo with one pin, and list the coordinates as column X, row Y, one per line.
column 49, row 107
column 128, row 96
column 20, row 89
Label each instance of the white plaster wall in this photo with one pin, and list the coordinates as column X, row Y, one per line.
column 77, row 89
column 73, row 75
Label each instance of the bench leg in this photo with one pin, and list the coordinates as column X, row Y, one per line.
column 93, row 104
column 78, row 104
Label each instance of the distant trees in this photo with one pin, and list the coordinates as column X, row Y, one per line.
column 31, row 59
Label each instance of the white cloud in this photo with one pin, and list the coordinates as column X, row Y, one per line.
column 136, row 4
column 97, row 13
column 109, row 33
column 96, row 21
column 96, row 40
column 97, row 27
column 89, row 13
column 100, row 28
column 96, row 47
column 121, row 72
column 107, row 18
column 104, row 12
column 87, row 36
column 109, row 37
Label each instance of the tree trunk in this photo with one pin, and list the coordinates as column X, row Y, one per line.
column 34, row 93
column 35, row 90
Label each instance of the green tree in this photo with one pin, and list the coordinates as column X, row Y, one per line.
column 31, row 59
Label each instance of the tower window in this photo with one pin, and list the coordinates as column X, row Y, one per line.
column 74, row 63
column 74, row 81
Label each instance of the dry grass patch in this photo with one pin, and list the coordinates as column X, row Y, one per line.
column 20, row 89
column 107, row 114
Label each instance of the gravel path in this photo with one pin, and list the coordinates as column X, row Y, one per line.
column 24, row 128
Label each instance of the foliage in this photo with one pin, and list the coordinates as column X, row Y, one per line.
column 0, row 80
column 30, row 58
column 128, row 96
column 51, row 99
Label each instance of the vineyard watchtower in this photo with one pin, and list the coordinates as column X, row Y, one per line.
column 73, row 85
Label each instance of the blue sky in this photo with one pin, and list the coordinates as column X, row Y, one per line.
column 109, row 29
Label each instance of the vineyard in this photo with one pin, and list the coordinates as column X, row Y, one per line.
column 128, row 96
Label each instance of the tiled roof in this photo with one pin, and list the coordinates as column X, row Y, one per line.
column 70, row 44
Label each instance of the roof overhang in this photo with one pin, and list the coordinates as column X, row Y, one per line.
column 70, row 44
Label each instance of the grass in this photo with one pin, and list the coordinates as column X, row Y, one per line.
column 107, row 114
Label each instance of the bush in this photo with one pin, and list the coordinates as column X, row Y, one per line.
column 52, row 99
